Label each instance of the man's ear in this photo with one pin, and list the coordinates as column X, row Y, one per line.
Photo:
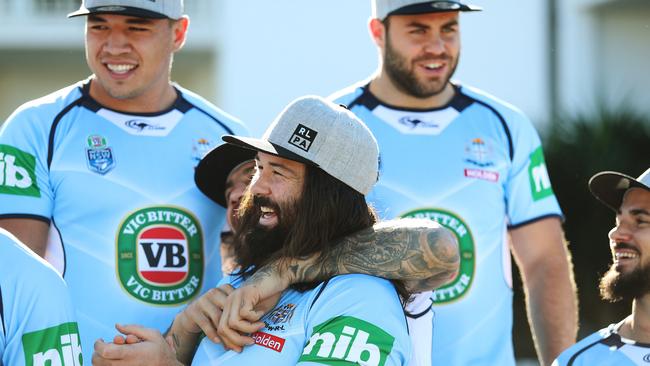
column 180, row 31
column 377, row 32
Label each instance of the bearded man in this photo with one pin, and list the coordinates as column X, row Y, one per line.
column 628, row 278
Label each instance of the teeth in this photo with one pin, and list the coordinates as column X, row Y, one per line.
column 266, row 209
column 626, row 255
column 433, row 65
column 120, row 68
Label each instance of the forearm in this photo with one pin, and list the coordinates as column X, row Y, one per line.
column 552, row 309
column 185, row 343
column 421, row 253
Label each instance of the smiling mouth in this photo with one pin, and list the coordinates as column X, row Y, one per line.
column 433, row 65
column 120, row 69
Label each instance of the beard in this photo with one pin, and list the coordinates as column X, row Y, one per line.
column 616, row 286
column 254, row 244
column 401, row 72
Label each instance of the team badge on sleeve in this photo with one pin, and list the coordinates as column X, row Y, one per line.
column 100, row 157
column 346, row 340
column 17, row 172
column 160, row 255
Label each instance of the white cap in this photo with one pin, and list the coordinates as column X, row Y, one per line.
column 383, row 8
column 310, row 130
column 172, row 9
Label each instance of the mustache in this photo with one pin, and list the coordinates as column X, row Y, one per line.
column 430, row 57
column 259, row 201
column 625, row 245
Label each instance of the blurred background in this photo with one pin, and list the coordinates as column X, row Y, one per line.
column 578, row 68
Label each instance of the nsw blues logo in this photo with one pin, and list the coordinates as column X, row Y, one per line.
column 99, row 156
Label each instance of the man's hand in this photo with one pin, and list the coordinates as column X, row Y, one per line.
column 204, row 313
column 141, row 346
column 246, row 305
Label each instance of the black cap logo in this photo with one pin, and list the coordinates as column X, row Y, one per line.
column 303, row 137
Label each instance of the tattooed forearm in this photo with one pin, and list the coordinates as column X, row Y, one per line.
column 420, row 252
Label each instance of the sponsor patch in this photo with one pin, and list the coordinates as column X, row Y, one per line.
column 268, row 340
column 98, row 155
column 142, row 124
column 17, row 172
column 460, row 285
column 58, row 345
column 303, row 137
column 347, row 340
column 482, row 174
column 540, row 183
column 160, row 255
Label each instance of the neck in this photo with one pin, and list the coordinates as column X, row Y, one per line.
column 385, row 89
column 637, row 325
column 153, row 101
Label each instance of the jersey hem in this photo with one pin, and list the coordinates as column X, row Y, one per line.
column 527, row 222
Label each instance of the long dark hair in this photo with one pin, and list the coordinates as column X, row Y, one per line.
column 327, row 211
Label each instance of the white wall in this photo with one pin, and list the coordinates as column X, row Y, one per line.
column 287, row 48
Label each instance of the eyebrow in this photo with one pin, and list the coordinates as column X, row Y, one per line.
column 134, row 20
column 639, row 211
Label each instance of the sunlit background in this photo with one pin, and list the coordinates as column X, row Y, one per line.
column 550, row 58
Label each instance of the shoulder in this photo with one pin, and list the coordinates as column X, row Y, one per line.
column 349, row 94
column 27, row 266
column 230, row 122
column 48, row 107
column 585, row 349
column 504, row 110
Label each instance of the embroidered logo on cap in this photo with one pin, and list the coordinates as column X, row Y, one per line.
column 303, row 137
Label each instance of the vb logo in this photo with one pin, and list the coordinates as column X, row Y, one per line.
column 160, row 255
column 348, row 339
column 17, row 172
column 57, row 345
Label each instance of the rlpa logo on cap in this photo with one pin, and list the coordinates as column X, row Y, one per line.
column 303, row 137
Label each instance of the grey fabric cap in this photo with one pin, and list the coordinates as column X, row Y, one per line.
column 610, row 187
column 172, row 9
column 383, row 8
column 315, row 131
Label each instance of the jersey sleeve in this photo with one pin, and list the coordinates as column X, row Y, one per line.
column 38, row 315
column 24, row 174
column 345, row 325
column 529, row 194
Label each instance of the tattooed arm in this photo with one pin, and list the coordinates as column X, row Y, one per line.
column 421, row 253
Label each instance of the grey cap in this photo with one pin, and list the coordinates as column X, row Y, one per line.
column 159, row 9
column 310, row 130
column 384, row 8
column 610, row 187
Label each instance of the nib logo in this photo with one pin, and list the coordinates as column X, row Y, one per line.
column 346, row 339
column 17, row 172
column 57, row 345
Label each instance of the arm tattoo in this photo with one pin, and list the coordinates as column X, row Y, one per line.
column 420, row 252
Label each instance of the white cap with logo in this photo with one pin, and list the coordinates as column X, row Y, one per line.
column 172, row 9
column 310, row 130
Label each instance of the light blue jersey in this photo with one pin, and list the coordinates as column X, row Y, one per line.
column 38, row 326
column 138, row 238
column 349, row 320
column 476, row 166
column 605, row 348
